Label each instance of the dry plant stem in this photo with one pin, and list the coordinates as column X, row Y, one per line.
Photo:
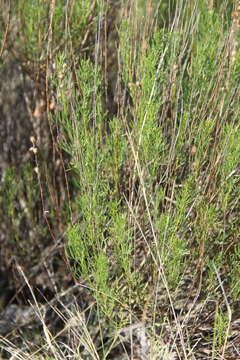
column 42, row 308
column 159, row 262
column 48, row 252
column 90, row 19
column 6, row 31
column 38, row 311
column 210, row 4
column 45, row 211
column 49, row 58
column 228, row 310
column 233, row 43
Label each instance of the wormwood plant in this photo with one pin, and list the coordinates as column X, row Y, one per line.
column 155, row 184
column 96, row 175
column 171, row 134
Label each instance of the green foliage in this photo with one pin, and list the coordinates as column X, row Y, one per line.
column 166, row 12
column 156, row 184
column 235, row 273
column 47, row 25
column 220, row 330
column 33, row 16
column 127, row 56
column 121, row 239
column 78, row 250
column 150, row 139
column 173, row 233
column 172, row 72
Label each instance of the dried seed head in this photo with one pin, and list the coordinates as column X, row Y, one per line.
column 194, row 149
column 33, row 149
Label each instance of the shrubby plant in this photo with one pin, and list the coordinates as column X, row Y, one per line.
column 152, row 217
